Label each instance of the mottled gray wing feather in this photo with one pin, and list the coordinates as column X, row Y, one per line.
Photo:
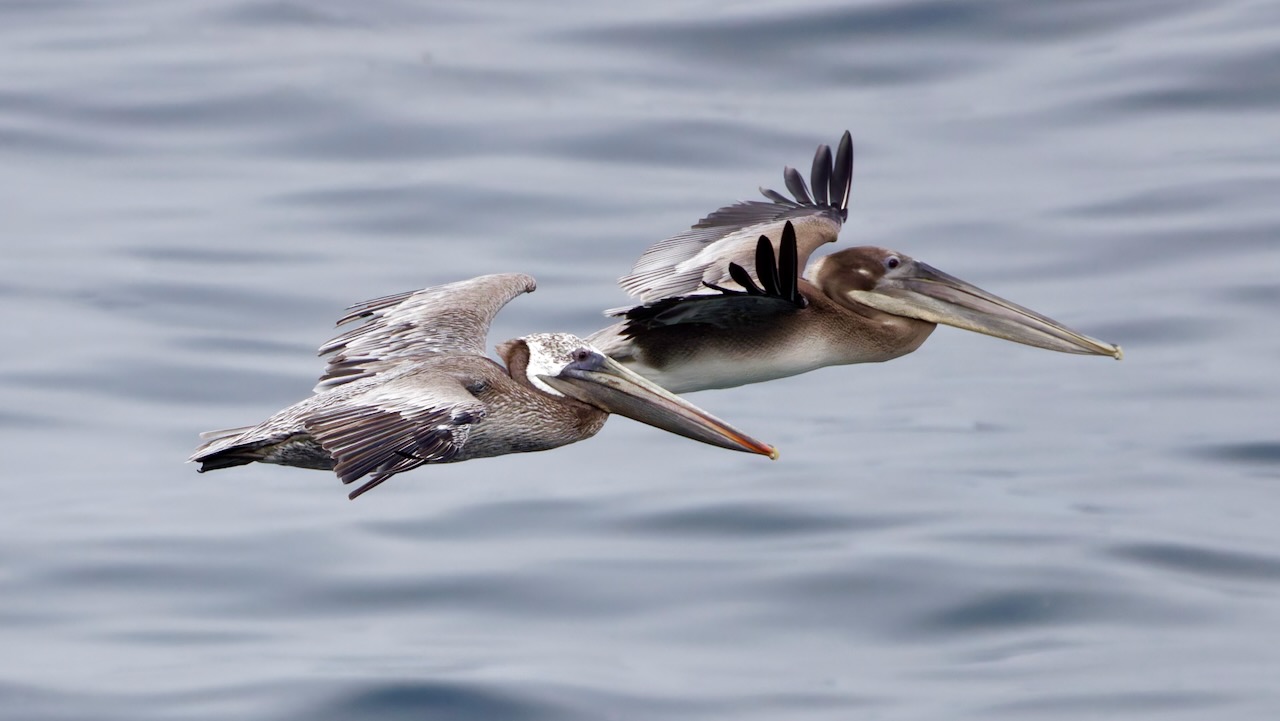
column 684, row 263
column 424, row 417
column 451, row 318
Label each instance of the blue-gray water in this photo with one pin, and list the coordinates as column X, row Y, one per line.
column 192, row 191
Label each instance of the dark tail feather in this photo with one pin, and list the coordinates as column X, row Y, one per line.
column 231, row 457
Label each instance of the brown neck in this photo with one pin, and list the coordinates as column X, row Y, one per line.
column 866, row 335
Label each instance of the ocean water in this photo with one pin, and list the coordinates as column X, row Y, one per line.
column 193, row 191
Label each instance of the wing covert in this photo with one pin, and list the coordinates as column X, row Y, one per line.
column 408, row 422
column 452, row 318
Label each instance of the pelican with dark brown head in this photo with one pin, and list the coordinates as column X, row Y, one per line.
column 725, row 303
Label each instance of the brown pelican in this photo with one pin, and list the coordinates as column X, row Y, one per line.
column 412, row 386
column 705, row 322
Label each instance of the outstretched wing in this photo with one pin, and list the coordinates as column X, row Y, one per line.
column 451, row 318
column 776, row 293
column 682, row 264
column 421, row 417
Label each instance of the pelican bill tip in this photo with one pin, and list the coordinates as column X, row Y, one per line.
column 1119, row 354
column 773, row 453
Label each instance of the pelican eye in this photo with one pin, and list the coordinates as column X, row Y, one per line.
column 585, row 359
column 892, row 262
column 477, row 386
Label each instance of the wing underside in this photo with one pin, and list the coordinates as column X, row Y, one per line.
column 683, row 264
column 754, row 301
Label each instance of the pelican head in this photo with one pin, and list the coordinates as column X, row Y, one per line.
column 567, row 366
column 900, row 285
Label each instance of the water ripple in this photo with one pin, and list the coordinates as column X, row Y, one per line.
column 1073, row 705
column 1257, row 452
column 1201, row 561
column 752, row 521
column 439, row 700
column 1047, row 608
column 976, row 530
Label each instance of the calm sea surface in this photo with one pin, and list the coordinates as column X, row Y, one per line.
column 193, row 191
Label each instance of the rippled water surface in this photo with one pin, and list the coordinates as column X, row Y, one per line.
column 192, row 192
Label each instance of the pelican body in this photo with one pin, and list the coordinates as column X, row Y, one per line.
column 691, row 355
column 411, row 387
column 725, row 303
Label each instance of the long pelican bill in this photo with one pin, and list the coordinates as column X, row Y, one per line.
column 926, row 293
column 604, row 383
